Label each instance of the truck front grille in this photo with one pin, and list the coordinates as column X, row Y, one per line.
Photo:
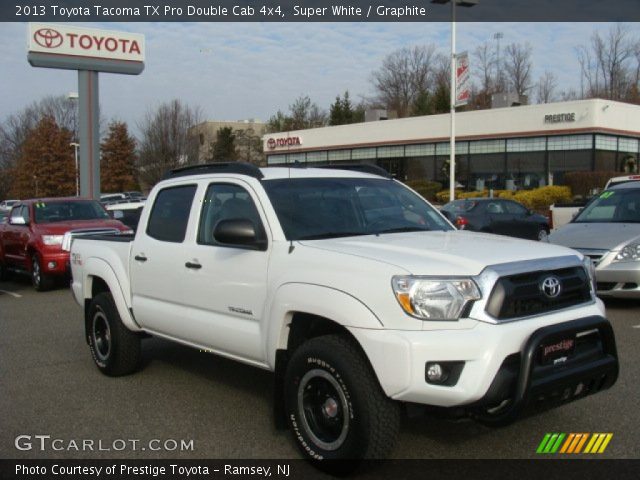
column 521, row 295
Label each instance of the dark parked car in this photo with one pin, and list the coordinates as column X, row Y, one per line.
column 496, row 215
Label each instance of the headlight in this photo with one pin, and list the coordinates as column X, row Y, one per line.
column 434, row 298
column 630, row 253
column 591, row 270
column 52, row 239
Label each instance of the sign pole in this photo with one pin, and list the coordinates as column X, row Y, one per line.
column 452, row 145
column 89, row 134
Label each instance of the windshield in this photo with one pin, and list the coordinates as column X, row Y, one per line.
column 313, row 208
column 612, row 206
column 50, row 212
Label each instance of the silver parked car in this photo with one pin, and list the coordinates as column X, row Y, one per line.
column 608, row 231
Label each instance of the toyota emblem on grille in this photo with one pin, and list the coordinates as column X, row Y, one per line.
column 551, row 287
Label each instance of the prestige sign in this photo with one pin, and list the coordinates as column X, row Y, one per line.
column 67, row 40
column 560, row 118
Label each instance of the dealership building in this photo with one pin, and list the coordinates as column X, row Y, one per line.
column 515, row 147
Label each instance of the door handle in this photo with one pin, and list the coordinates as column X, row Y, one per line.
column 193, row 265
column 140, row 258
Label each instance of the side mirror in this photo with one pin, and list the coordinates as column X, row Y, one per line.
column 19, row 220
column 238, row 232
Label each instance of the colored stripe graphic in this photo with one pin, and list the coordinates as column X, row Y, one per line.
column 574, row 443
column 551, row 443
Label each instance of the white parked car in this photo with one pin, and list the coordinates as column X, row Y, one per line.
column 355, row 292
column 7, row 204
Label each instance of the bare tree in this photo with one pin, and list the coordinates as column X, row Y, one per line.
column 518, row 66
column 485, row 60
column 546, row 88
column 404, row 75
column 484, row 68
column 167, row 140
column 610, row 64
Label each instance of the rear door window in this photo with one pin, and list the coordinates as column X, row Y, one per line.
column 170, row 214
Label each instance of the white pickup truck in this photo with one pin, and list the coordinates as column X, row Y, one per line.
column 355, row 292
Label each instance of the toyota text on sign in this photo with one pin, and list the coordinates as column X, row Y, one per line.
column 85, row 42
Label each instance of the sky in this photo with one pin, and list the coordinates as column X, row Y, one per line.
column 236, row 71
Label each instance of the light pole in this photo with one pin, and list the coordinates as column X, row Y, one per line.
column 453, row 88
column 75, row 146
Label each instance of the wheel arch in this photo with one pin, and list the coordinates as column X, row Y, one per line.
column 99, row 277
column 307, row 309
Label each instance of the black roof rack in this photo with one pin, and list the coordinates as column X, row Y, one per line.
column 241, row 168
column 358, row 167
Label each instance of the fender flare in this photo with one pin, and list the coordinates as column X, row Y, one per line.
column 320, row 300
column 95, row 267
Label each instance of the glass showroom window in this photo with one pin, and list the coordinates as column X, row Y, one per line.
column 336, row 155
column 391, row 152
column 363, row 153
column 316, row 157
column 422, row 150
column 276, row 159
column 571, row 142
column 487, row 146
column 296, row 157
column 536, row 144
column 606, row 142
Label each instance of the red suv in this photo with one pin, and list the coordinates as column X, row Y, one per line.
column 31, row 240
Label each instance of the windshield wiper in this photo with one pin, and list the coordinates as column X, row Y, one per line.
column 319, row 236
column 403, row 229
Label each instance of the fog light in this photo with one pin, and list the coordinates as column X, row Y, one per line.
column 52, row 265
column 443, row 373
column 435, row 373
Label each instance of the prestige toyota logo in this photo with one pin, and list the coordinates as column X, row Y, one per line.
column 551, row 287
column 48, row 38
column 271, row 143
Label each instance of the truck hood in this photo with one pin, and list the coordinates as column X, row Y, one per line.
column 441, row 253
column 605, row 236
column 60, row 228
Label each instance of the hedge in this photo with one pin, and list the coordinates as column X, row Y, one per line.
column 536, row 199
column 425, row 188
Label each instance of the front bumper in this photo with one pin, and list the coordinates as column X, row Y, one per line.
column 620, row 280
column 399, row 359
column 614, row 279
column 55, row 263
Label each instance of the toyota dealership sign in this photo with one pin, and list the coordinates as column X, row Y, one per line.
column 72, row 41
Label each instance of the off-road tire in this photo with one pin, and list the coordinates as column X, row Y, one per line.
column 335, row 363
column 115, row 349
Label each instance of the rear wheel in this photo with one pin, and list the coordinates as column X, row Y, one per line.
column 39, row 280
column 335, row 406
column 115, row 349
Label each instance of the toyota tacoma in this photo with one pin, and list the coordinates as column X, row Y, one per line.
column 357, row 293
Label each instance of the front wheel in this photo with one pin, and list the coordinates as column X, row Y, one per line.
column 115, row 349
column 39, row 280
column 335, row 406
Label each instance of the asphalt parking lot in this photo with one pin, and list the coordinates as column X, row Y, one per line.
column 50, row 386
